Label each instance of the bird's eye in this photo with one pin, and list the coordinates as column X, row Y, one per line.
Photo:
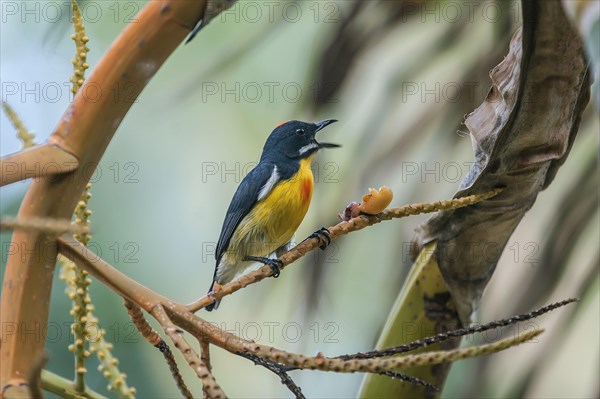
column 300, row 132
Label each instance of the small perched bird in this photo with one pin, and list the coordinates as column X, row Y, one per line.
column 270, row 203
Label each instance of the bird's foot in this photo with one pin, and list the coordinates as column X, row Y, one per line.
column 216, row 287
column 324, row 237
column 274, row 264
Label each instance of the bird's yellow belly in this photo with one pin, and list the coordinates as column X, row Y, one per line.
column 274, row 220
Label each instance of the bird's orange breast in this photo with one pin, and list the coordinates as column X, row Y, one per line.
column 306, row 191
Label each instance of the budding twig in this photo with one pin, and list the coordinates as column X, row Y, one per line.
column 340, row 229
column 172, row 316
column 410, row 379
column 210, row 386
column 457, row 333
column 142, row 325
column 278, row 369
column 205, row 352
column 236, row 345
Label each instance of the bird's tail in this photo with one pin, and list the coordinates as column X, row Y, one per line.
column 215, row 304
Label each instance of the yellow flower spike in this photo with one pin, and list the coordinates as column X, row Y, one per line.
column 76, row 279
column 26, row 137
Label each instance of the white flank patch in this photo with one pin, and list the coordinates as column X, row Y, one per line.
column 266, row 189
column 307, row 147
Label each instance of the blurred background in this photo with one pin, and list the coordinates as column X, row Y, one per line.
column 400, row 76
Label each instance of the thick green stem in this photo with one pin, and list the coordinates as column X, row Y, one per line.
column 65, row 388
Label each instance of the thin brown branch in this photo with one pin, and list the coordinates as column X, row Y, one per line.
column 205, row 357
column 205, row 352
column 279, row 370
column 142, row 325
column 203, row 330
column 410, row 379
column 171, row 314
column 47, row 225
column 42, row 161
column 209, row 384
column 340, row 229
column 441, row 337
column 170, row 359
column 147, row 299
column 200, row 328
column 236, row 345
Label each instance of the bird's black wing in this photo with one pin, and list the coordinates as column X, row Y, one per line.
column 244, row 199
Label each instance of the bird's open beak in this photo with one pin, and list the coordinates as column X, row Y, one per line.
column 320, row 126
column 326, row 122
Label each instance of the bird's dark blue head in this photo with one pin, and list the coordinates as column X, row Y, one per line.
column 295, row 140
